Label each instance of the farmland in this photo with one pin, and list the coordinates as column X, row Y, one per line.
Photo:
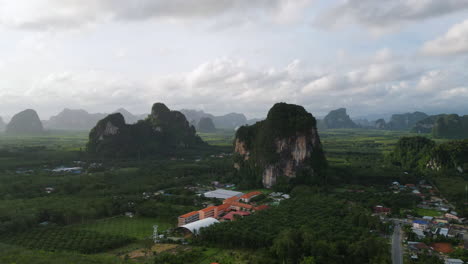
column 82, row 218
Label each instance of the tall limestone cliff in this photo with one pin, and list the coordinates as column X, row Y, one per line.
column 2, row 124
column 25, row 122
column 162, row 132
column 339, row 119
column 286, row 145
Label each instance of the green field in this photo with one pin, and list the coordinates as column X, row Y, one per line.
column 428, row 212
column 137, row 227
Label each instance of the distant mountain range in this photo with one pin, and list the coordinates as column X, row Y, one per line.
column 79, row 119
column 228, row 121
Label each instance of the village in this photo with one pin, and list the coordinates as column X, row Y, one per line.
column 432, row 229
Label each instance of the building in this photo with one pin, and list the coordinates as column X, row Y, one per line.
column 231, row 215
column 380, row 209
column 195, row 227
column 420, row 224
column 454, row 261
column 230, row 204
column 188, row 218
column 248, row 196
column 222, row 194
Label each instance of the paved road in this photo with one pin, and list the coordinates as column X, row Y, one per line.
column 397, row 253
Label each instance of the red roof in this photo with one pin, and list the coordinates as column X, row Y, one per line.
column 381, row 209
column 443, row 247
column 251, row 194
column 189, row 214
column 261, row 207
column 230, row 216
column 209, row 208
column 243, row 205
column 232, row 199
column 223, row 207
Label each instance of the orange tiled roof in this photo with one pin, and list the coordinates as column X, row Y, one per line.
column 251, row 194
column 209, row 208
column 189, row 214
column 443, row 247
column 223, row 206
column 232, row 199
column 243, row 205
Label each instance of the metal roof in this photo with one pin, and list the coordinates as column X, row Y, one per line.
column 195, row 226
column 222, row 194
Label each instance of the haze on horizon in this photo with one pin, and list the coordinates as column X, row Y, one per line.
column 221, row 56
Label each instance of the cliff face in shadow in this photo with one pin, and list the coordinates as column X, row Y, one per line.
column 162, row 132
column 284, row 145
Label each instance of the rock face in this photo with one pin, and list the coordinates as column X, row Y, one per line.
column 339, row 119
column 282, row 145
column 25, row 122
column 2, row 124
column 162, row 132
column 405, row 121
column 206, row 125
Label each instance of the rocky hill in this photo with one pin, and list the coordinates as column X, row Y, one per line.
column 2, row 124
column 425, row 125
column 405, row 121
column 162, row 132
column 421, row 153
column 206, row 125
column 25, row 122
column 338, row 119
column 451, row 126
column 79, row 119
column 285, row 146
column 228, row 121
column 73, row 119
column 129, row 117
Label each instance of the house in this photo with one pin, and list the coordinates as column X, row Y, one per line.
column 428, row 218
column 454, row 261
column 420, row 224
column 248, row 196
column 452, row 217
column 417, row 246
column 380, row 209
column 419, row 233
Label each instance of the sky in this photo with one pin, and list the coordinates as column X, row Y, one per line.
column 371, row 57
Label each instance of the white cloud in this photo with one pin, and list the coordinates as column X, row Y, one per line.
column 455, row 41
column 69, row 14
column 230, row 85
column 381, row 16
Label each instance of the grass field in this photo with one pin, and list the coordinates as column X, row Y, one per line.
column 428, row 212
column 138, row 227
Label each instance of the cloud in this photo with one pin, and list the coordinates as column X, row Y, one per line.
column 455, row 41
column 231, row 85
column 69, row 14
column 379, row 16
